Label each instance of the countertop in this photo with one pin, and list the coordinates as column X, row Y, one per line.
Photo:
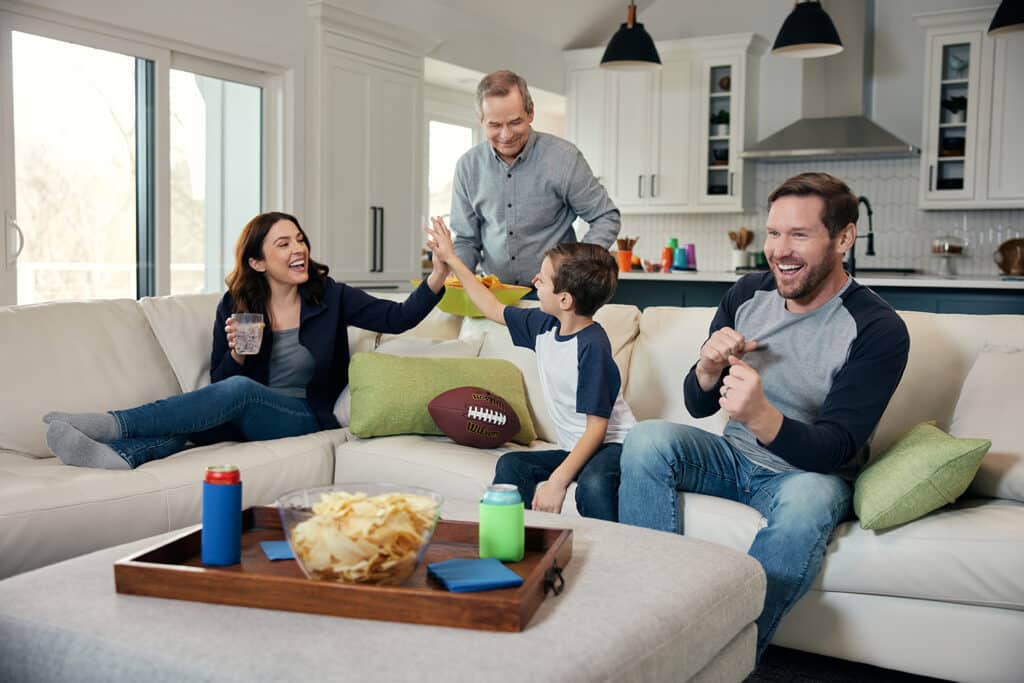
column 869, row 279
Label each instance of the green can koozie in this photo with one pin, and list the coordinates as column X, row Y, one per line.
column 502, row 524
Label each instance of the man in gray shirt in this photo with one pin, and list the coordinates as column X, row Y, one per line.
column 517, row 194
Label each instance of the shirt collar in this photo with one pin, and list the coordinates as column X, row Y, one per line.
column 531, row 142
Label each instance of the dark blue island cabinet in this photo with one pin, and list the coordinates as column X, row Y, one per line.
column 979, row 301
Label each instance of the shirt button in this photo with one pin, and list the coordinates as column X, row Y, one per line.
column 510, row 232
column 509, row 175
column 510, row 205
column 513, row 258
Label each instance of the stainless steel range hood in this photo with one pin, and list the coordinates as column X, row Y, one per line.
column 835, row 94
column 833, row 136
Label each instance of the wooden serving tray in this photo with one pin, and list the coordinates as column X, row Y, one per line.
column 174, row 570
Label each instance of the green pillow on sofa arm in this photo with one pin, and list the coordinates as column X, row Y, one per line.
column 924, row 470
column 390, row 393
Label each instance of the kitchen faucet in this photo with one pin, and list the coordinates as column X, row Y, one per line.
column 851, row 263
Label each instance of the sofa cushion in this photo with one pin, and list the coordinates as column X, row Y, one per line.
column 183, row 326
column 990, row 406
column 390, row 393
column 921, row 472
column 468, row 347
column 75, row 356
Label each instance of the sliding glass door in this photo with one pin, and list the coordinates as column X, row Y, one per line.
column 125, row 170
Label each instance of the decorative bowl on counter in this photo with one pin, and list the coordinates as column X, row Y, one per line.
column 1010, row 257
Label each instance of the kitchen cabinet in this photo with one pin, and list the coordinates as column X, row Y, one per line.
column 973, row 151
column 649, row 135
column 366, row 177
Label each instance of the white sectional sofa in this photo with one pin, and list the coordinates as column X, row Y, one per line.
column 941, row 596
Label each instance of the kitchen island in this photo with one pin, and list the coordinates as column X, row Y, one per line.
column 977, row 294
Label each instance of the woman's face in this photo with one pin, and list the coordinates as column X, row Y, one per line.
column 285, row 255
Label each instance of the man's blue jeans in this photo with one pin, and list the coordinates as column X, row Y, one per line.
column 597, row 483
column 233, row 409
column 802, row 509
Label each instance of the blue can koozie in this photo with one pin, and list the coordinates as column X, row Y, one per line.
column 222, row 516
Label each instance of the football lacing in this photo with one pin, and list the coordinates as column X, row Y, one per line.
column 486, row 415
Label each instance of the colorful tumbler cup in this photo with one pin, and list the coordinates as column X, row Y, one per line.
column 625, row 257
column 679, row 263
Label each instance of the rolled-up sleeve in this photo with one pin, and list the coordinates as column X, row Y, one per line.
column 464, row 222
column 588, row 198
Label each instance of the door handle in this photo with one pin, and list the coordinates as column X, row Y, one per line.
column 640, row 186
column 13, row 259
column 653, row 193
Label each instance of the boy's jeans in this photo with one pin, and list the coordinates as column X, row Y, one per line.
column 802, row 509
column 597, row 483
column 234, row 409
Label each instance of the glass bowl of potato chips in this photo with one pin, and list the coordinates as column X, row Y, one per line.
column 373, row 533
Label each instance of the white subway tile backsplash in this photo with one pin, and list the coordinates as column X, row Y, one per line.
column 903, row 232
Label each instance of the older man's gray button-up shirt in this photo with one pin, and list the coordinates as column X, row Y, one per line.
column 506, row 216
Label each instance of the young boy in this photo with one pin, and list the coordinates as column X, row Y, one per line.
column 582, row 386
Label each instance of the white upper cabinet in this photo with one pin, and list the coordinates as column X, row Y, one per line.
column 649, row 135
column 973, row 150
column 365, row 172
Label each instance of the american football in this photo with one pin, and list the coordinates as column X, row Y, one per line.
column 474, row 417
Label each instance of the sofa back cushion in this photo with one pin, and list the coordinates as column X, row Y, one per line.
column 75, row 356
column 183, row 326
column 943, row 347
column 667, row 346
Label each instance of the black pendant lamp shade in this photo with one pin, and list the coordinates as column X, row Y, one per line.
column 631, row 48
column 807, row 32
column 1009, row 17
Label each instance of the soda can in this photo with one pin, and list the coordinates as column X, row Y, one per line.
column 502, row 494
column 222, row 516
column 502, row 524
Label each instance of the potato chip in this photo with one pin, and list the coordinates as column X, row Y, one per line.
column 359, row 538
column 489, row 281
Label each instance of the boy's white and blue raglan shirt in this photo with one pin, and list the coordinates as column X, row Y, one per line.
column 577, row 373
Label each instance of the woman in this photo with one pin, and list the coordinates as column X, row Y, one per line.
column 286, row 389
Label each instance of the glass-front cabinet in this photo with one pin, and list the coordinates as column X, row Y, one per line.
column 973, row 148
column 718, row 133
column 953, row 115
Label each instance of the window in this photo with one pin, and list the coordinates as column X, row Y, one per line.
column 448, row 142
column 126, row 170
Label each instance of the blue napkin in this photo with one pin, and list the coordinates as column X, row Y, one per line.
column 277, row 550
column 467, row 576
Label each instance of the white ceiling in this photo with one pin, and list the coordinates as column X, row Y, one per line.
column 563, row 24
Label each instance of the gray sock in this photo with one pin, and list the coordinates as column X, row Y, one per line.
column 73, row 447
column 99, row 426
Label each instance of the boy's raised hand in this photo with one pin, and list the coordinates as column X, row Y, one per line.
column 439, row 240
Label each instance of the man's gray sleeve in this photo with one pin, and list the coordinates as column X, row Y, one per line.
column 591, row 202
column 465, row 224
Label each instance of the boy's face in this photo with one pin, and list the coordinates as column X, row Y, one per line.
column 544, row 283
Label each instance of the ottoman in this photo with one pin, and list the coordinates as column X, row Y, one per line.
column 638, row 605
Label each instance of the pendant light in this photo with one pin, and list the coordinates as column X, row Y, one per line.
column 808, row 31
column 1009, row 17
column 631, row 48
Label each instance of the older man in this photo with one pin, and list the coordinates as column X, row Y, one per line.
column 517, row 194
column 804, row 361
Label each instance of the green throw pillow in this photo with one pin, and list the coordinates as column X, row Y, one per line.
column 390, row 393
column 924, row 470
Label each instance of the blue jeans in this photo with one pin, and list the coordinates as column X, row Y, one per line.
column 802, row 509
column 597, row 483
column 233, row 409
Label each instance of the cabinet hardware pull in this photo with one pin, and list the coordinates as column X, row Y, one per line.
column 931, row 168
column 653, row 193
column 731, row 174
column 380, row 232
column 640, row 186
column 373, row 238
